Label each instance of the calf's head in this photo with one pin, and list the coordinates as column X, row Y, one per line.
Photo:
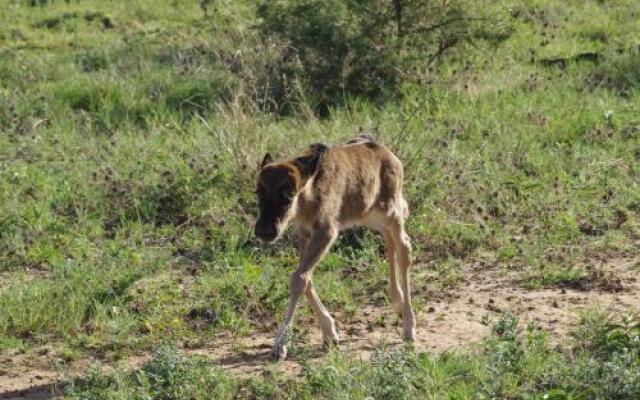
column 278, row 188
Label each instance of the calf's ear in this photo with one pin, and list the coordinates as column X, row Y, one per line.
column 309, row 163
column 267, row 159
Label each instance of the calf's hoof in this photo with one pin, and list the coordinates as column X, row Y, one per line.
column 279, row 352
column 409, row 335
column 331, row 341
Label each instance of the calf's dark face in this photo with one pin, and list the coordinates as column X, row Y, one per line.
column 277, row 195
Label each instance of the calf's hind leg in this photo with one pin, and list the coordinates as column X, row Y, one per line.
column 394, row 289
column 402, row 246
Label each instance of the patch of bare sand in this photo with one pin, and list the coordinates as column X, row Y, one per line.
column 451, row 319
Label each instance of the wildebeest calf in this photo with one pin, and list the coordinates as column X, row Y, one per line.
column 322, row 192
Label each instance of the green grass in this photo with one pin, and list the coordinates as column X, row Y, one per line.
column 128, row 153
column 511, row 363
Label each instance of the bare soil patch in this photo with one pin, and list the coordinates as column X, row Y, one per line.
column 451, row 318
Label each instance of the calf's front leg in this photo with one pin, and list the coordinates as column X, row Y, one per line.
column 319, row 243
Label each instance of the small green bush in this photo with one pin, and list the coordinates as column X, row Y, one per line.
column 340, row 49
column 167, row 376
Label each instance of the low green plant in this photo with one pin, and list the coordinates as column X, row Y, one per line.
column 168, row 375
column 510, row 363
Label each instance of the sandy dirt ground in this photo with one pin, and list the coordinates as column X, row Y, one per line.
column 450, row 319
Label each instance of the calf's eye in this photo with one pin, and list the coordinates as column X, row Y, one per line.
column 286, row 196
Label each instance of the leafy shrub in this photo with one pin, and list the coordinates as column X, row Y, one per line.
column 360, row 48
